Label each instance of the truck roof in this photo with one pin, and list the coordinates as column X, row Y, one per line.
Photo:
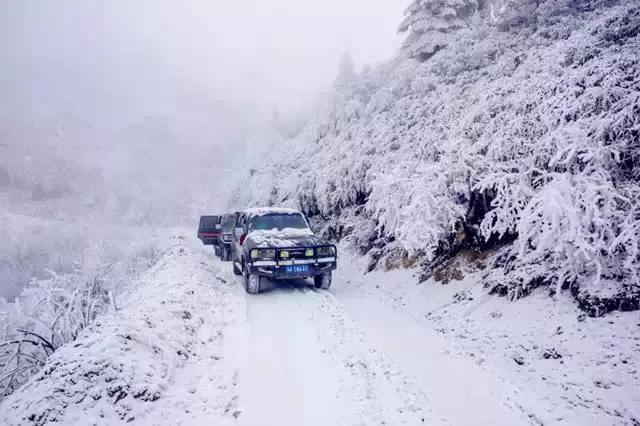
column 261, row 211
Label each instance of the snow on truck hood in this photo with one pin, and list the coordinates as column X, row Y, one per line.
column 280, row 238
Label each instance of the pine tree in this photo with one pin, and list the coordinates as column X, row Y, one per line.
column 346, row 69
column 431, row 23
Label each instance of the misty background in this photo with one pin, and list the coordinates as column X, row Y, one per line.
column 138, row 114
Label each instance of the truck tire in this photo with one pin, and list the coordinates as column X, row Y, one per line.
column 225, row 254
column 216, row 249
column 236, row 270
column 322, row 281
column 252, row 282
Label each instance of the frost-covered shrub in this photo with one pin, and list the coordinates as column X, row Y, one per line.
column 51, row 312
column 515, row 129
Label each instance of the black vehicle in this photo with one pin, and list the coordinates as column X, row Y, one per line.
column 279, row 244
column 226, row 234
column 209, row 231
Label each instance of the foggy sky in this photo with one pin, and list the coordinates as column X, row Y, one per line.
column 138, row 108
column 277, row 51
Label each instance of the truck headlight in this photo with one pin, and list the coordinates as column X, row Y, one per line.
column 263, row 254
column 309, row 252
column 327, row 251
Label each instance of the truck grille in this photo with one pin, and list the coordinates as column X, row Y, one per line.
column 294, row 253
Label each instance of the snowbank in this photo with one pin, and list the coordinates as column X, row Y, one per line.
column 126, row 366
column 75, row 275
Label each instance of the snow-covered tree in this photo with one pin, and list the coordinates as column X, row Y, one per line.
column 518, row 132
column 346, row 68
column 430, row 24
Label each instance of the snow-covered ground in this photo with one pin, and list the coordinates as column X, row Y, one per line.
column 538, row 359
column 188, row 346
column 148, row 361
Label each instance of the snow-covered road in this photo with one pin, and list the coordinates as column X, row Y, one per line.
column 306, row 363
column 449, row 382
column 190, row 347
column 344, row 358
column 280, row 375
column 317, row 358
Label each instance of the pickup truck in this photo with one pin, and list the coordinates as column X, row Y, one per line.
column 278, row 243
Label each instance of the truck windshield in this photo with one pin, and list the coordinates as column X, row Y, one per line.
column 278, row 221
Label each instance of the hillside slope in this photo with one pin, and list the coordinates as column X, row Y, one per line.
column 500, row 122
column 121, row 365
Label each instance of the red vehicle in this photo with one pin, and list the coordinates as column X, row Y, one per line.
column 209, row 231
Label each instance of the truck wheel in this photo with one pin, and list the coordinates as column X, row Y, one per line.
column 216, row 250
column 252, row 282
column 225, row 254
column 323, row 281
column 236, row 270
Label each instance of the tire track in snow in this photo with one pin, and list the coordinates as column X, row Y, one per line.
column 379, row 391
column 285, row 379
column 307, row 363
column 448, row 381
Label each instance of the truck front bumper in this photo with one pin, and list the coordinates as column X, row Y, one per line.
column 292, row 269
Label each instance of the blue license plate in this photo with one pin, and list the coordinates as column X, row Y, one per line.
column 296, row 269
